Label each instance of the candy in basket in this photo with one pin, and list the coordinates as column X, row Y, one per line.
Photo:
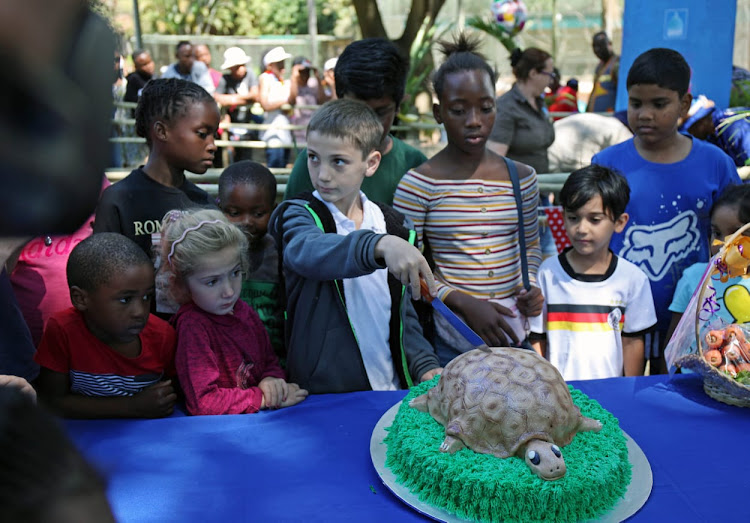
column 713, row 336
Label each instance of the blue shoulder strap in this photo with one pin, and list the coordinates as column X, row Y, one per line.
column 521, row 233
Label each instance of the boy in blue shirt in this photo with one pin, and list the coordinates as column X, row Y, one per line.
column 346, row 264
column 674, row 181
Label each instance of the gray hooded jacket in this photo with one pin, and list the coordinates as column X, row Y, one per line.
column 323, row 353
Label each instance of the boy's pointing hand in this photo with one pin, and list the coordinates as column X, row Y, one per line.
column 406, row 263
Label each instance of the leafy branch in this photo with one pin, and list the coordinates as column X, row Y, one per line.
column 420, row 64
column 489, row 26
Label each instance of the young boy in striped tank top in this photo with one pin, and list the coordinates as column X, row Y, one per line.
column 107, row 357
column 463, row 206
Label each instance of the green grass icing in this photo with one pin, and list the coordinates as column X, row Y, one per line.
column 481, row 487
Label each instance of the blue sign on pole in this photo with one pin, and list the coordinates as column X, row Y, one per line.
column 702, row 31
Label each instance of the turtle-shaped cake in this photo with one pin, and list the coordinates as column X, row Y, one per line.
column 506, row 402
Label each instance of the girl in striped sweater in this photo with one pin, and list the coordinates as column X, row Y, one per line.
column 464, row 208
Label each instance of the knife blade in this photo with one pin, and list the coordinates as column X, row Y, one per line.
column 457, row 323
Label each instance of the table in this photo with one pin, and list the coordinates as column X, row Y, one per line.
column 311, row 462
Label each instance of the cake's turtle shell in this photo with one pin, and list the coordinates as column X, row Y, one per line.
column 497, row 402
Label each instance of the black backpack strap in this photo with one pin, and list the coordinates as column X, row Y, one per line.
column 394, row 224
column 323, row 219
column 521, row 233
column 319, row 211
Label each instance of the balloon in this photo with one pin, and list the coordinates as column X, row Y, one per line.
column 510, row 15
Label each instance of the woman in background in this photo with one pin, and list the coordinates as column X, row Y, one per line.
column 523, row 130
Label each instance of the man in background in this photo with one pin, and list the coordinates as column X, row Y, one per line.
column 310, row 92
column 236, row 93
column 728, row 129
column 134, row 153
column 144, row 71
column 188, row 68
column 329, row 79
column 604, row 91
column 203, row 54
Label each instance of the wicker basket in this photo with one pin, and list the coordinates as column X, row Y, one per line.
column 717, row 384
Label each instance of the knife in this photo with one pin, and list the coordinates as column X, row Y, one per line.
column 457, row 323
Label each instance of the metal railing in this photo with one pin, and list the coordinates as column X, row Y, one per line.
column 550, row 182
column 425, row 122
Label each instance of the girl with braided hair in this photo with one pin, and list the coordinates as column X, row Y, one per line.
column 179, row 120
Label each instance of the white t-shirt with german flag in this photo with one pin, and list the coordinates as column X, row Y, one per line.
column 585, row 316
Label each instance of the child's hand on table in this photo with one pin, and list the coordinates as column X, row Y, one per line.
column 274, row 392
column 278, row 393
column 156, row 401
column 18, row 383
column 294, row 395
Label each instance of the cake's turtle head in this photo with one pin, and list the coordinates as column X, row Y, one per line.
column 510, row 402
column 545, row 459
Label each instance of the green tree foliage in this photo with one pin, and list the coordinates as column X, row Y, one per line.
column 101, row 8
column 487, row 25
column 238, row 17
column 739, row 96
column 290, row 16
column 420, row 65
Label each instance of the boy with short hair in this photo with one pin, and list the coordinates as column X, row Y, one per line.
column 372, row 71
column 350, row 324
column 674, row 181
column 247, row 197
column 105, row 357
column 597, row 307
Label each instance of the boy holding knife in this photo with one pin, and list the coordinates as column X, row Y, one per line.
column 347, row 263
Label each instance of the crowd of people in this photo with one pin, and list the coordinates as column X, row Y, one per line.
column 269, row 97
column 164, row 295
column 234, row 304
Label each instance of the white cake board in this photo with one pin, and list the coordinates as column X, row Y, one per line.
column 635, row 496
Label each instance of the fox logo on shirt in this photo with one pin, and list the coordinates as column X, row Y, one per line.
column 654, row 248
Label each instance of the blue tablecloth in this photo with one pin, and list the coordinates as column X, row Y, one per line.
column 312, row 462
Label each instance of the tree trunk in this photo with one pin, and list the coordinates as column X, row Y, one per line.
column 420, row 10
column 611, row 16
column 371, row 23
column 312, row 29
column 368, row 16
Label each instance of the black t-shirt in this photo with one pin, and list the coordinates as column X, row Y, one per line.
column 136, row 82
column 136, row 206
